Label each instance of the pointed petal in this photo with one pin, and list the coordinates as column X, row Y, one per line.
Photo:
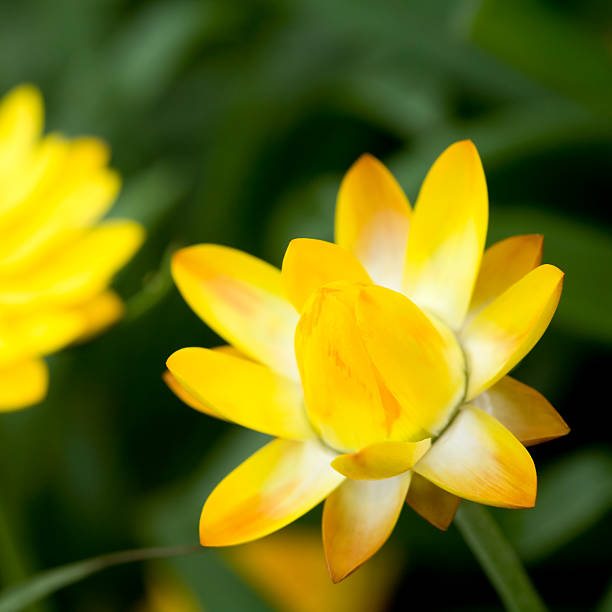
column 358, row 518
column 175, row 386
column 524, row 411
column 341, row 386
column 447, row 234
column 479, row 459
column 275, row 486
column 382, row 460
column 310, row 264
column 503, row 264
column 372, row 220
column 242, row 299
column 21, row 120
column 23, row 384
column 434, row 504
column 99, row 313
column 421, row 364
column 508, row 328
column 76, row 273
column 245, row 392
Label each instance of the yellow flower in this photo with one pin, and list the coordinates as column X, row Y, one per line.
column 56, row 260
column 378, row 362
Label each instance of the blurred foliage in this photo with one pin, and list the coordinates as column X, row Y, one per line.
column 233, row 122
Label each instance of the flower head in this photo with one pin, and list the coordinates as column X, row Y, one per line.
column 56, row 260
column 379, row 363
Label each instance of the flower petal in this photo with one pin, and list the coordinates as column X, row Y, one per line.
column 341, row 386
column 358, row 518
column 382, row 460
column 479, row 459
column 21, row 121
column 503, row 264
column 23, row 384
column 419, row 362
column 245, row 392
column 242, row 299
column 508, row 328
column 310, row 264
column 524, row 411
column 372, row 220
column 278, row 484
column 175, row 386
column 447, row 234
column 434, row 504
column 99, row 313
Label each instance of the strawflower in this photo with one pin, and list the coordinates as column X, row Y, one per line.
column 56, row 260
column 379, row 363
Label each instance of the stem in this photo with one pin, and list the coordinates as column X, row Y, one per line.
column 498, row 559
column 47, row 582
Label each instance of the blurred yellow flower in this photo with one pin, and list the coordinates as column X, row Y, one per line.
column 56, row 260
column 378, row 362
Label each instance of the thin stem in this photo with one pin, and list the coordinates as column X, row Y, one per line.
column 47, row 582
column 498, row 559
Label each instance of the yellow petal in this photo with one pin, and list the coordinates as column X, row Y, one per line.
column 420, row 363
column 186, row 397
column 76, row 191
column 76, row 273
column 508, row 328
column 23, row 384
column 245, row 392
column 358, row 518
column 340, row 384
column 21, row 120
column 278, row 484
column 382, row 460
column 503, row 264
column 524, row 411
column 242, row 299
column 310, row 264
column 372, row 220
column 447, row 234
column 478, row 459
column 99, row 313
column 434, row 504
column 39, row 333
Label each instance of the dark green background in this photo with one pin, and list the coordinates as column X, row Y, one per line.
column 232, row 122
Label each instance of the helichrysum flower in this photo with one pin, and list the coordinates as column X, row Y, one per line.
column 56, row 260
column 392, row 384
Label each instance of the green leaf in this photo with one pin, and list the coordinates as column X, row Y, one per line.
column 46, row 583
column 498, row 559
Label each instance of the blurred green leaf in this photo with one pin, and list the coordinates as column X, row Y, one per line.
column 539, row 40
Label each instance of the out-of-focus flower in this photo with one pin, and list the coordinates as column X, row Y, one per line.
column 56, row 260
column 392, row 386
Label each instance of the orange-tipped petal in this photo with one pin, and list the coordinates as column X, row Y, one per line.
column 175, row 386
column 503, row 264
column 524, row 411
column 372, row 220
column 243, row 391
column 434, row 504
column 341, row 386
column 358, row 518
column 310, row 264
column 447, row 234
column 242, row 299
column 419, row 362
column 275, row 486
column 501, row 334
column 478, row 459
column 382, row 460
column 23, row 384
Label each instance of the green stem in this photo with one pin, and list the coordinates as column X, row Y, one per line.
column 47, row 582
column 498, row 559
